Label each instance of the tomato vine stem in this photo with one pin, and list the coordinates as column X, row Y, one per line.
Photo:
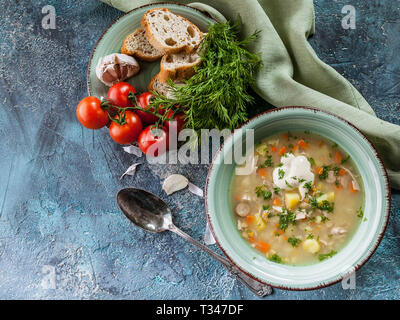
column 120, row 116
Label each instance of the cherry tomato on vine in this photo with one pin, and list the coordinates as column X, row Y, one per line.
column 153, row 141
column 144, row 100
column 90, row 113
column 126, row 133
column 118, row 94
column 179, row 118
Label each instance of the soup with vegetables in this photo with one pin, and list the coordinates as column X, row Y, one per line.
column 302, row 201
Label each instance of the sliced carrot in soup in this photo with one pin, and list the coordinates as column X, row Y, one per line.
column 262, row 172
column 250, row 219
column 338, row 157
column 302, row 144
column 282, row 150
column 263, row 246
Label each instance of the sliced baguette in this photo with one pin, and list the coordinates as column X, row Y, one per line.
column 169, row 32
column 178, row 66
column 136, row 44
column 161, row 87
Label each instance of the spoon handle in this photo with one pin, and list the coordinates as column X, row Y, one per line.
column 255, row 286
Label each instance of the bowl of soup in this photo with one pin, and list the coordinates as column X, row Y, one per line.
column 302, row 207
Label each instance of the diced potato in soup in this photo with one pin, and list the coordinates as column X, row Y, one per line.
column 303, row 201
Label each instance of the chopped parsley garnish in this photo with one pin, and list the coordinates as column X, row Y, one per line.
column 324, row 256
column 294, row 241
column 324, row 218
column 308, row 186
column 312, row 161
column 261, row 192
column 281, row 173
column 314, row 202
column 266, row 207
column 267, row 163
column 277, row 190
column 324, row 205
column 311, row 219
column 325, row 172
column 360, row 212
column 285, row 218
column 288, row 184
column 345, row 160
column 275, row 258
column 336, row 170
column 310, row 236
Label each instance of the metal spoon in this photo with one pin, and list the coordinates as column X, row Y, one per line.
column 150, row 213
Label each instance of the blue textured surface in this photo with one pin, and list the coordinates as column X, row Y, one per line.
column 58, row 180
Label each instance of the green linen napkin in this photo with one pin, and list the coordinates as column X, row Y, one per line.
column 293, row 75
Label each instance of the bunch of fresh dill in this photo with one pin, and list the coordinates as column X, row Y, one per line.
column 217, row 95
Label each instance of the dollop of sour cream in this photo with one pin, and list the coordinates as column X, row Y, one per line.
column 293, row 172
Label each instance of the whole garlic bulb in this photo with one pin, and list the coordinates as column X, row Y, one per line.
column 116, row 67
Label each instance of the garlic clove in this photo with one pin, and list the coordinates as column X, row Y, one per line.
column 174, row 182
column 116, row 67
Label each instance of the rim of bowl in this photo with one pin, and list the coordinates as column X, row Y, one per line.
column 387, row 198
column 123, row 15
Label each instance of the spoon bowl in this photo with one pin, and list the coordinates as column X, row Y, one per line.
column 145, row 209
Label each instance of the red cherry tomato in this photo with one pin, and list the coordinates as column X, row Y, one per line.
column 90, row 113
column 118, row 94
column 144, row 100
column 153, row 141
column 128, row 132
column 179, row 118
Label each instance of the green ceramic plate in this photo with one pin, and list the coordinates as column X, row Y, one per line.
column 364, row 241
column 112, row 38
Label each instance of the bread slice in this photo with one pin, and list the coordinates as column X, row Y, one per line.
column 136, row 44
column 162, row 87
column 178, row 66
column 169, row 32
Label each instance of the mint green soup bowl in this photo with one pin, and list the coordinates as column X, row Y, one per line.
column 365, row 239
